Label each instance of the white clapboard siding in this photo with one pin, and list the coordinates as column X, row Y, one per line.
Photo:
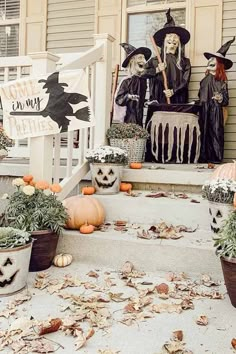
column 70, row 25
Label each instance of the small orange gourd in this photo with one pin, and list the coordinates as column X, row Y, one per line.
column 88, row 190
column 125, row 187
column 86, row 229
column 135, row 165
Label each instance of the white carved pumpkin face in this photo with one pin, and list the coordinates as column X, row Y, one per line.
column 105, row 177
column 171, row 43
column 137, row 64
column 211, row 65
column 7, row 272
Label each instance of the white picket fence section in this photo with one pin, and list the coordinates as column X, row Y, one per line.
column 61, row 157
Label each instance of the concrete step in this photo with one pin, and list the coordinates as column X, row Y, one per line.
column 148, row 210
column 194, row 253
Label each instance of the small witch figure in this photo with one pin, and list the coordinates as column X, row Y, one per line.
column 130, row 94
column 213, row 95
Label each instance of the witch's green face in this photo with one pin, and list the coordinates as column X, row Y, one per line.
column 211, row 65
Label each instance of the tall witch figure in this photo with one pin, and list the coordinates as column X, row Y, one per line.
column 130, row 94
column 213, row 95
column 171, row 39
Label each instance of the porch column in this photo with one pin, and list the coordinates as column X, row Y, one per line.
column 103, row 89
column 41, row 148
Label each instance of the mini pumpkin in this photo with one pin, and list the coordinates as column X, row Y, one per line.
column 125, row 187
column 86, row 229
column 62, row 260
column 88, row 190
column 82, row 209
column 135, row 165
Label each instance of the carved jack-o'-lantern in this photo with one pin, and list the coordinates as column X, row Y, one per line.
column 106, row 178
column 14, row 266
column 218, row 213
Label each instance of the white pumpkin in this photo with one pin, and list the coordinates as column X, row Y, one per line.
column 62, row 260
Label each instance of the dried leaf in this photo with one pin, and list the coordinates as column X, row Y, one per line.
column 80, row 340
column 233, row 343
column 178, row 335
column 157, row 195
column 194, row 201
column 127, row 267
column 117, row 297
column 53, row 326
column 90, row 333
column 108, row 351
column 144, row 234
column 120, row 223
column 93, row 274
column 202, row 320
column 162, row 288
column 181, row 196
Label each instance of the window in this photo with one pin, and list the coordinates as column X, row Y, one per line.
column 141, row 26
column 156, row 2
column 9, row 27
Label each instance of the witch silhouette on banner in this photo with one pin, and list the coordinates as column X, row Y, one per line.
column 59, row 103
column 213, row 95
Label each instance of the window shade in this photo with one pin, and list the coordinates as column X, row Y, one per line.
column 9, row 9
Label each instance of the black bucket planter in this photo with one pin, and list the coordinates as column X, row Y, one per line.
column 43, row 250
column 229, row 271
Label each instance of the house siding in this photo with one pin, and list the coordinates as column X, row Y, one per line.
column 70, row 25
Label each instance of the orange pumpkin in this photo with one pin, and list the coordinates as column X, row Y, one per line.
column 88, row 190
column 225, row 171
column 86, row 229
column 135, row 165
column 125, row 187
column 82, row 209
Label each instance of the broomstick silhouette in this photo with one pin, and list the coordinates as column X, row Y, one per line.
column 58, row 106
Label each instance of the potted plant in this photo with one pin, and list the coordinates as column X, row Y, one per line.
column 130, row 137
column 106, row 163
column 225, row 243
column 220, row 195
column 5, row 143
column 34, row 207
column 15, row 250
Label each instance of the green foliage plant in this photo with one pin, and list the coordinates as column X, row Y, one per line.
column 12, row 238
column 225, row 241
column 107, row 154
column 219, row 191
column 34, row 208
column 126, row 131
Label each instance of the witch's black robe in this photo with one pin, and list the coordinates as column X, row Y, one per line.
column 133, row 112
column 212, row 119
column 177, row 79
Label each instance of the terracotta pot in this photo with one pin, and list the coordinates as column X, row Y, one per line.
column 14, row 269
column 43, row 250
column 229, row 271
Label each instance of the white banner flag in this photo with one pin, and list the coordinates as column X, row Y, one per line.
column 57, row 102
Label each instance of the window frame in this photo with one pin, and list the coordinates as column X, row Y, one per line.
column 13, row 21
column 145, row 8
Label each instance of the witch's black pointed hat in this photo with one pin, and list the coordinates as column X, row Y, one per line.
column 170, row 27
column 220, row 54
column 131, row 51
column 52, row 80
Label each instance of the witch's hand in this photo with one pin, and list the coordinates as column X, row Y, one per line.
column 133, row 97
column 169, row 93
column 160, row 67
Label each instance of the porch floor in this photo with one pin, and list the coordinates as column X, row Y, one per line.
column 130, row 331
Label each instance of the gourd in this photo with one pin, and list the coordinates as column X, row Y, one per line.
column 86, row 229
column 225, row 171
column 62, row 260
column 135, row 165
column 83, row 209
column 125, row 187
column 88, row 190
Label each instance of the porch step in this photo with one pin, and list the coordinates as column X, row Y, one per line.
column 192, row 211
column 194, row 253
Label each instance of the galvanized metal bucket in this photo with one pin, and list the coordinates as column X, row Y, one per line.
column 106, row 177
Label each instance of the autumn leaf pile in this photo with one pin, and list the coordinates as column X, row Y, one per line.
column 90, row 305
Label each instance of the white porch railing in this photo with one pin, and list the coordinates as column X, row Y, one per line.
column 57, row 157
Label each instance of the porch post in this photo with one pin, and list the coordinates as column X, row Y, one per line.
column 103, row 89
column 41, row 148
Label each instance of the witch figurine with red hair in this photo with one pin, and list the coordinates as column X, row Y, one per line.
column 213, row 95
